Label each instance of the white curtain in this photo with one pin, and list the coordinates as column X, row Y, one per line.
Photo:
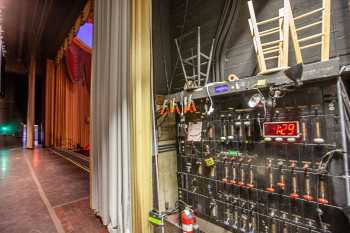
column 110, row 114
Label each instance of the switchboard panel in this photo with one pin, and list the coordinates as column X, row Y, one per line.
column 267, row 159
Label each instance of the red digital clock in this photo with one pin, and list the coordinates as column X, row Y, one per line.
column 284, row 129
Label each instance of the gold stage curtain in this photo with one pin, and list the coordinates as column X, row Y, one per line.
column 141, row 115
column 67, row 109
column 49, row 102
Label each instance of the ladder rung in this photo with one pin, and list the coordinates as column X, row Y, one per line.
column 271, row 48
column 269, row 33
column 311, row 45
column 309, row 13
column 273, row 70
column 188, row 63
column 204, row 63
column 269, row 30
column 268, row 20
column 271, row 51
column 205, row 75
column 271, row 58
column 190, row 58
column 310, row 37
column 205, row 56
column 271, row 43
column 308, row 26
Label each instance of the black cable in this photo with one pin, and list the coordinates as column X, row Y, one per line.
column 223, row 32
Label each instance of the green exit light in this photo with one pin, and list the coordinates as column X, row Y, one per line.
column 7, row 129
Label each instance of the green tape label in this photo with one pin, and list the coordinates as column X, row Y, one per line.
column 232, row 153
column 155, row 221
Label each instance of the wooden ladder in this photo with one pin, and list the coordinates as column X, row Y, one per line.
column 286, row 27
column 324, row 36
column 270, row 50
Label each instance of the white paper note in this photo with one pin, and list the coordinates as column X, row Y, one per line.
column 194, row 131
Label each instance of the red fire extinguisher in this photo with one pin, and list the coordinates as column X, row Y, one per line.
column 187, row 221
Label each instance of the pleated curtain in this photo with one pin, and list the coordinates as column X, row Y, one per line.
column 67, row 109
column 121, row 132
column 141, row 90
column 111, row 114
column 49, row 104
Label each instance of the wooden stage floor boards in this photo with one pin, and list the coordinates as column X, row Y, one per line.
column 41, row 192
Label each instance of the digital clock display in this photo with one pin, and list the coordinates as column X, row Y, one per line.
column 281, row 129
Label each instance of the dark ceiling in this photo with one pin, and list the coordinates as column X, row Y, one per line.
column 36, row 27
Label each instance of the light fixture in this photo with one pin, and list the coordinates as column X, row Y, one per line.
column 255, row 100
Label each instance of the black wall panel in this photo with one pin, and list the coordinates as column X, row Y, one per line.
column 176, row 18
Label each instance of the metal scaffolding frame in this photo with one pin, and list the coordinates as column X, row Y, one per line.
column 196, row 61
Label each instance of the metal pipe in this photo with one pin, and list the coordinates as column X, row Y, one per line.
column 180, row 56
column 199, row 56
column 209, row 62
column 344, row 139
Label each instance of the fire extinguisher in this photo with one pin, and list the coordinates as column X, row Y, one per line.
column 195, row 224
column 187, row 220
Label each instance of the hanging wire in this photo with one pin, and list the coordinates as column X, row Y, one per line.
column 166, row 75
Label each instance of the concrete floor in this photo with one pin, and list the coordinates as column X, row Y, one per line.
column 168, row 228
column 43, row 193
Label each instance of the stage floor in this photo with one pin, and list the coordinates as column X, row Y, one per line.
column 43, row 193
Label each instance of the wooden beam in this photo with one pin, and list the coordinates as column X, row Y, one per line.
column 256, row 37
column 293, row 33
column 254, row 43
column 280, row 44
column 285, row 45
column 326, row 21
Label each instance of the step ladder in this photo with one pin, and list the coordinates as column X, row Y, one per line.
column 199, row 64
column 286, row 26
column 266, row 49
